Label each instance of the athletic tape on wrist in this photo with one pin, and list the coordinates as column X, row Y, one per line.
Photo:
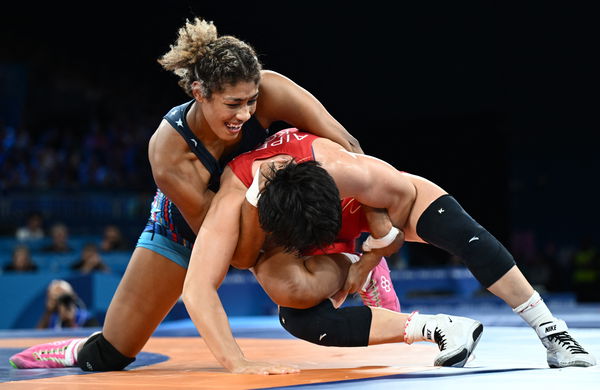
column 253, row 194
column 375, row 243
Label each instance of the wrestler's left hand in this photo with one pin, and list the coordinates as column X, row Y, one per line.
column 357, row 277
column 263, row 368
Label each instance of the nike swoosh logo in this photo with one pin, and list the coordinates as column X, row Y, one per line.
column 474, row 239
column 321, row 336
column 352, row 202
column 194, row 141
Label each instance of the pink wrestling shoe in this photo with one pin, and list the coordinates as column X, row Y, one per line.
column 57, row 354
column 379, row 291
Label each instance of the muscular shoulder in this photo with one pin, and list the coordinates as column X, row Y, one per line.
column 350, row 171
column 277, row 94
column 231, row 183
column 274, row 86
column 172, row 162
column 166, row 146
column 270, row 78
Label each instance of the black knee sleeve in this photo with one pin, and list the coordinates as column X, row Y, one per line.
column 97, row 354
column 325, row 325
column 447, row 226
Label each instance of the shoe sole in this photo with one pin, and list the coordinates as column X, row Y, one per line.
column 460, row 359
column 577, row 363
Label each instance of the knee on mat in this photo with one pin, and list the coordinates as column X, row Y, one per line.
column 98, row 354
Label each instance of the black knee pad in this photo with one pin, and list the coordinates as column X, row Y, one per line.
column 447, row 226
column 325, row 325
column 97, row 354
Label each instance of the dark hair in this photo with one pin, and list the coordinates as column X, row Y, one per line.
column 199, row 54
column 66, row 299
column 300, row 207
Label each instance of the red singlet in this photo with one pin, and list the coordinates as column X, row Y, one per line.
column 298, row 144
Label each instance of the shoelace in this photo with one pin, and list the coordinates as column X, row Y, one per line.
column 371, row 295
column 44, row 354
column 564, row 338
column 440, row 339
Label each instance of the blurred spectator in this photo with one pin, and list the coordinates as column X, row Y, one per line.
column 33, row 229
column 64, row 308
column 113, row 240
column 86, row 155
column 21, row 261
column 60, row 239
column 90, row 260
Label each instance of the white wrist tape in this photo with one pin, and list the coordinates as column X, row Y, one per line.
column 375, row 243
column 253, row 194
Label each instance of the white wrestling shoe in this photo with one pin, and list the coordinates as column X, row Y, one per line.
column 562, row 349
column 456, row 337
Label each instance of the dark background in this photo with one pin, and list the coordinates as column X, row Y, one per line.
column 495, row 103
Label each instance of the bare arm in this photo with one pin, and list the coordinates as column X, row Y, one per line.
column 378, row 220
column 379, row 226
column 208, row 267
column 369, row 180
column 179, row 174
column 283, row 100
column 251, row 238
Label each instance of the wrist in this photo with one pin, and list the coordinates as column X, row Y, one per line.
column 233, row 363
column 382, row 229
column 376, row 243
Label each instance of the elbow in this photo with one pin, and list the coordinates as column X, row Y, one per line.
column 355, row 145
column 190, row 294
column 352, row 145
column 186, row 294
column 161, row 176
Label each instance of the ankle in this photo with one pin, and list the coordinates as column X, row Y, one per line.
column 417, row 327
column 534, row 311
column 74, row 348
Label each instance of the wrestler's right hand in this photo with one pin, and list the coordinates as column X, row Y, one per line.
column 263, row 368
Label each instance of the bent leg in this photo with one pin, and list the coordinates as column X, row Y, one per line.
column 150, row 287
column 446, row 225
column 353, row 326
column 304, row 282
column 512, row 287
column 301, row 282
column 359, row 326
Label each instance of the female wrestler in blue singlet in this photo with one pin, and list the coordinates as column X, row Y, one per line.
column 187, row 152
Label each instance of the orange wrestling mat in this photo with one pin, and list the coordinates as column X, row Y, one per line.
column 191, row 365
